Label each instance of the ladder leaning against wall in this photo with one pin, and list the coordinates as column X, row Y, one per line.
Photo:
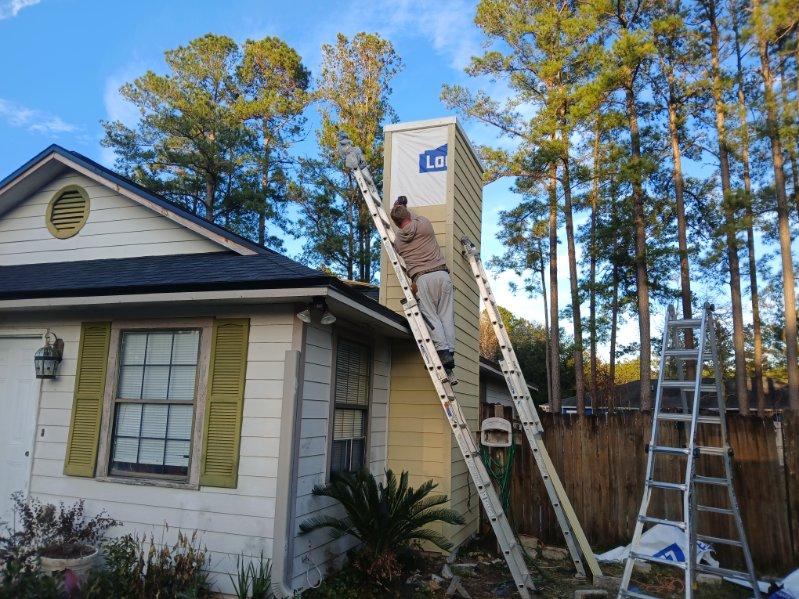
column 511, row 549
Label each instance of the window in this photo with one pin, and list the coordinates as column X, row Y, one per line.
column 154, row 403
column 67, row 212
column 351, row 407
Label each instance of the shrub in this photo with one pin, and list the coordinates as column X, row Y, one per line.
column 55, row 531
column 386, row 517
column 139, row 568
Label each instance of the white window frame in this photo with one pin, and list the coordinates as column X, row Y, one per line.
column 369, row 344
column 103, row 472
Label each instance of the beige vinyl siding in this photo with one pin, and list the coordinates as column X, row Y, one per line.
column 316, row 548
column 230, row 521
column 117, row 227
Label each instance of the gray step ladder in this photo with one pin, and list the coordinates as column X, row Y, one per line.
column 576, row 541
column 694, row 352
column 512, row 550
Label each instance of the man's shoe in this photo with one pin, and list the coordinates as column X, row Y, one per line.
column 447, row 358
column 451, row 376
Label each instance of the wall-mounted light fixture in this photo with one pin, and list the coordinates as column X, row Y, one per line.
column 47, row 358
column 317, row 306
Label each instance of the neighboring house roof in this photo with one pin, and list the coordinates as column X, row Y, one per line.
column 54, row 159
column 628, row 396
column 491, row 370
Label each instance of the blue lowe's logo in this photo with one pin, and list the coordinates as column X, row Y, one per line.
column 432, row 161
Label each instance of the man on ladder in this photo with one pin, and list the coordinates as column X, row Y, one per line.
column 416, row 244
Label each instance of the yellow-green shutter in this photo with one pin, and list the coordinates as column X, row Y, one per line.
column 87, row 404
column 223, row 410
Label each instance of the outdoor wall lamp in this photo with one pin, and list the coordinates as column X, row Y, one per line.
column 318, row 305
column 47, row 358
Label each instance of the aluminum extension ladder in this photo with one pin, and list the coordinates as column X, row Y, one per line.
column 698, row 354
column 576, row 541
column 511, row 548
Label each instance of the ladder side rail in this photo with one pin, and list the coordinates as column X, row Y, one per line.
column 689, row 496
column 511, row 549
column 650, row 457
column 728, row 470
column 531, row 423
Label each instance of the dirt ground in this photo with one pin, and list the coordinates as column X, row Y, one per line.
column 483, row 575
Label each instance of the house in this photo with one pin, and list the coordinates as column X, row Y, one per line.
column 208, row 383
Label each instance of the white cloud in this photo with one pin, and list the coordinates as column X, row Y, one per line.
column 11, row 8
column 118, row 108
column 36, row 121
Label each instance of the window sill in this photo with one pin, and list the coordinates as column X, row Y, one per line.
column 148, row 482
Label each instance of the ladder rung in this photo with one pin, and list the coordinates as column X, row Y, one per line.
column 725, row 572
column 719, row 540
column 685, row 353
column 682, row 417
column 653, row 520
column 706, row 388
column 665, row 449
column 711, row 480
column 685, row 323
column 715, row 510
column 705, row 450
column 659, row 484
column 656, row 560
column 635, row 594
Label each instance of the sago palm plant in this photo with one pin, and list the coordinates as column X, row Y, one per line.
column 385, row 516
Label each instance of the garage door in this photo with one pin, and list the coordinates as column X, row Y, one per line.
column 18, row 400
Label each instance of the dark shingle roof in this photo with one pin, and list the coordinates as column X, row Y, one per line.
column 169, row 274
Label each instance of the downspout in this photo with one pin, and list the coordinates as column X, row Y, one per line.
column 286, row 501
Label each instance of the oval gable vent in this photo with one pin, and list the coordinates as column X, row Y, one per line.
column 68, row 211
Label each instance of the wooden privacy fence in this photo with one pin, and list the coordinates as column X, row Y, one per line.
column 601, row 461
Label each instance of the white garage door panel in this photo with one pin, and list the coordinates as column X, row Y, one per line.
column 18, row 399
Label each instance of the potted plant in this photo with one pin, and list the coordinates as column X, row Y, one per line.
column 62, row 537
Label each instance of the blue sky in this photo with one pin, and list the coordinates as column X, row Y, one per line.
column 64, row 61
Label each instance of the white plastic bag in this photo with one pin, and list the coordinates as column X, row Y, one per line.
column 665, row 542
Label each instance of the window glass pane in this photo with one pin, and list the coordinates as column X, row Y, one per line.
column 156, row 379
column 348, row 424
column 133, row 348
column 125, row 449
column 129, row 382
column 153, row 422
column 181, row 383
column 180, row 418
column 151, row 451
column 128, row 419
column 185, row 346
column 356, row 461
column 339, row 461
column 159, row 348
column 177, row 453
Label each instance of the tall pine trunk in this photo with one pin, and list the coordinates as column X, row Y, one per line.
column 641, row 274
column 573, row 282
column 592, row 255
column 786, row 110
column 210, row 193
column 783, row 219
column 757, row 341
column 548, row 340
column 554, row 343
column 614, row 310
column 729, row 213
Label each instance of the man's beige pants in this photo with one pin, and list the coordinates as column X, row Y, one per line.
column 437, row 303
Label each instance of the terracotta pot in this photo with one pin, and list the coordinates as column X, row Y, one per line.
column 80, row 566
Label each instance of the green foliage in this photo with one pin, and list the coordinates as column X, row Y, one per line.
column 386, row 517
column 253, row 579
column 353, row 89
